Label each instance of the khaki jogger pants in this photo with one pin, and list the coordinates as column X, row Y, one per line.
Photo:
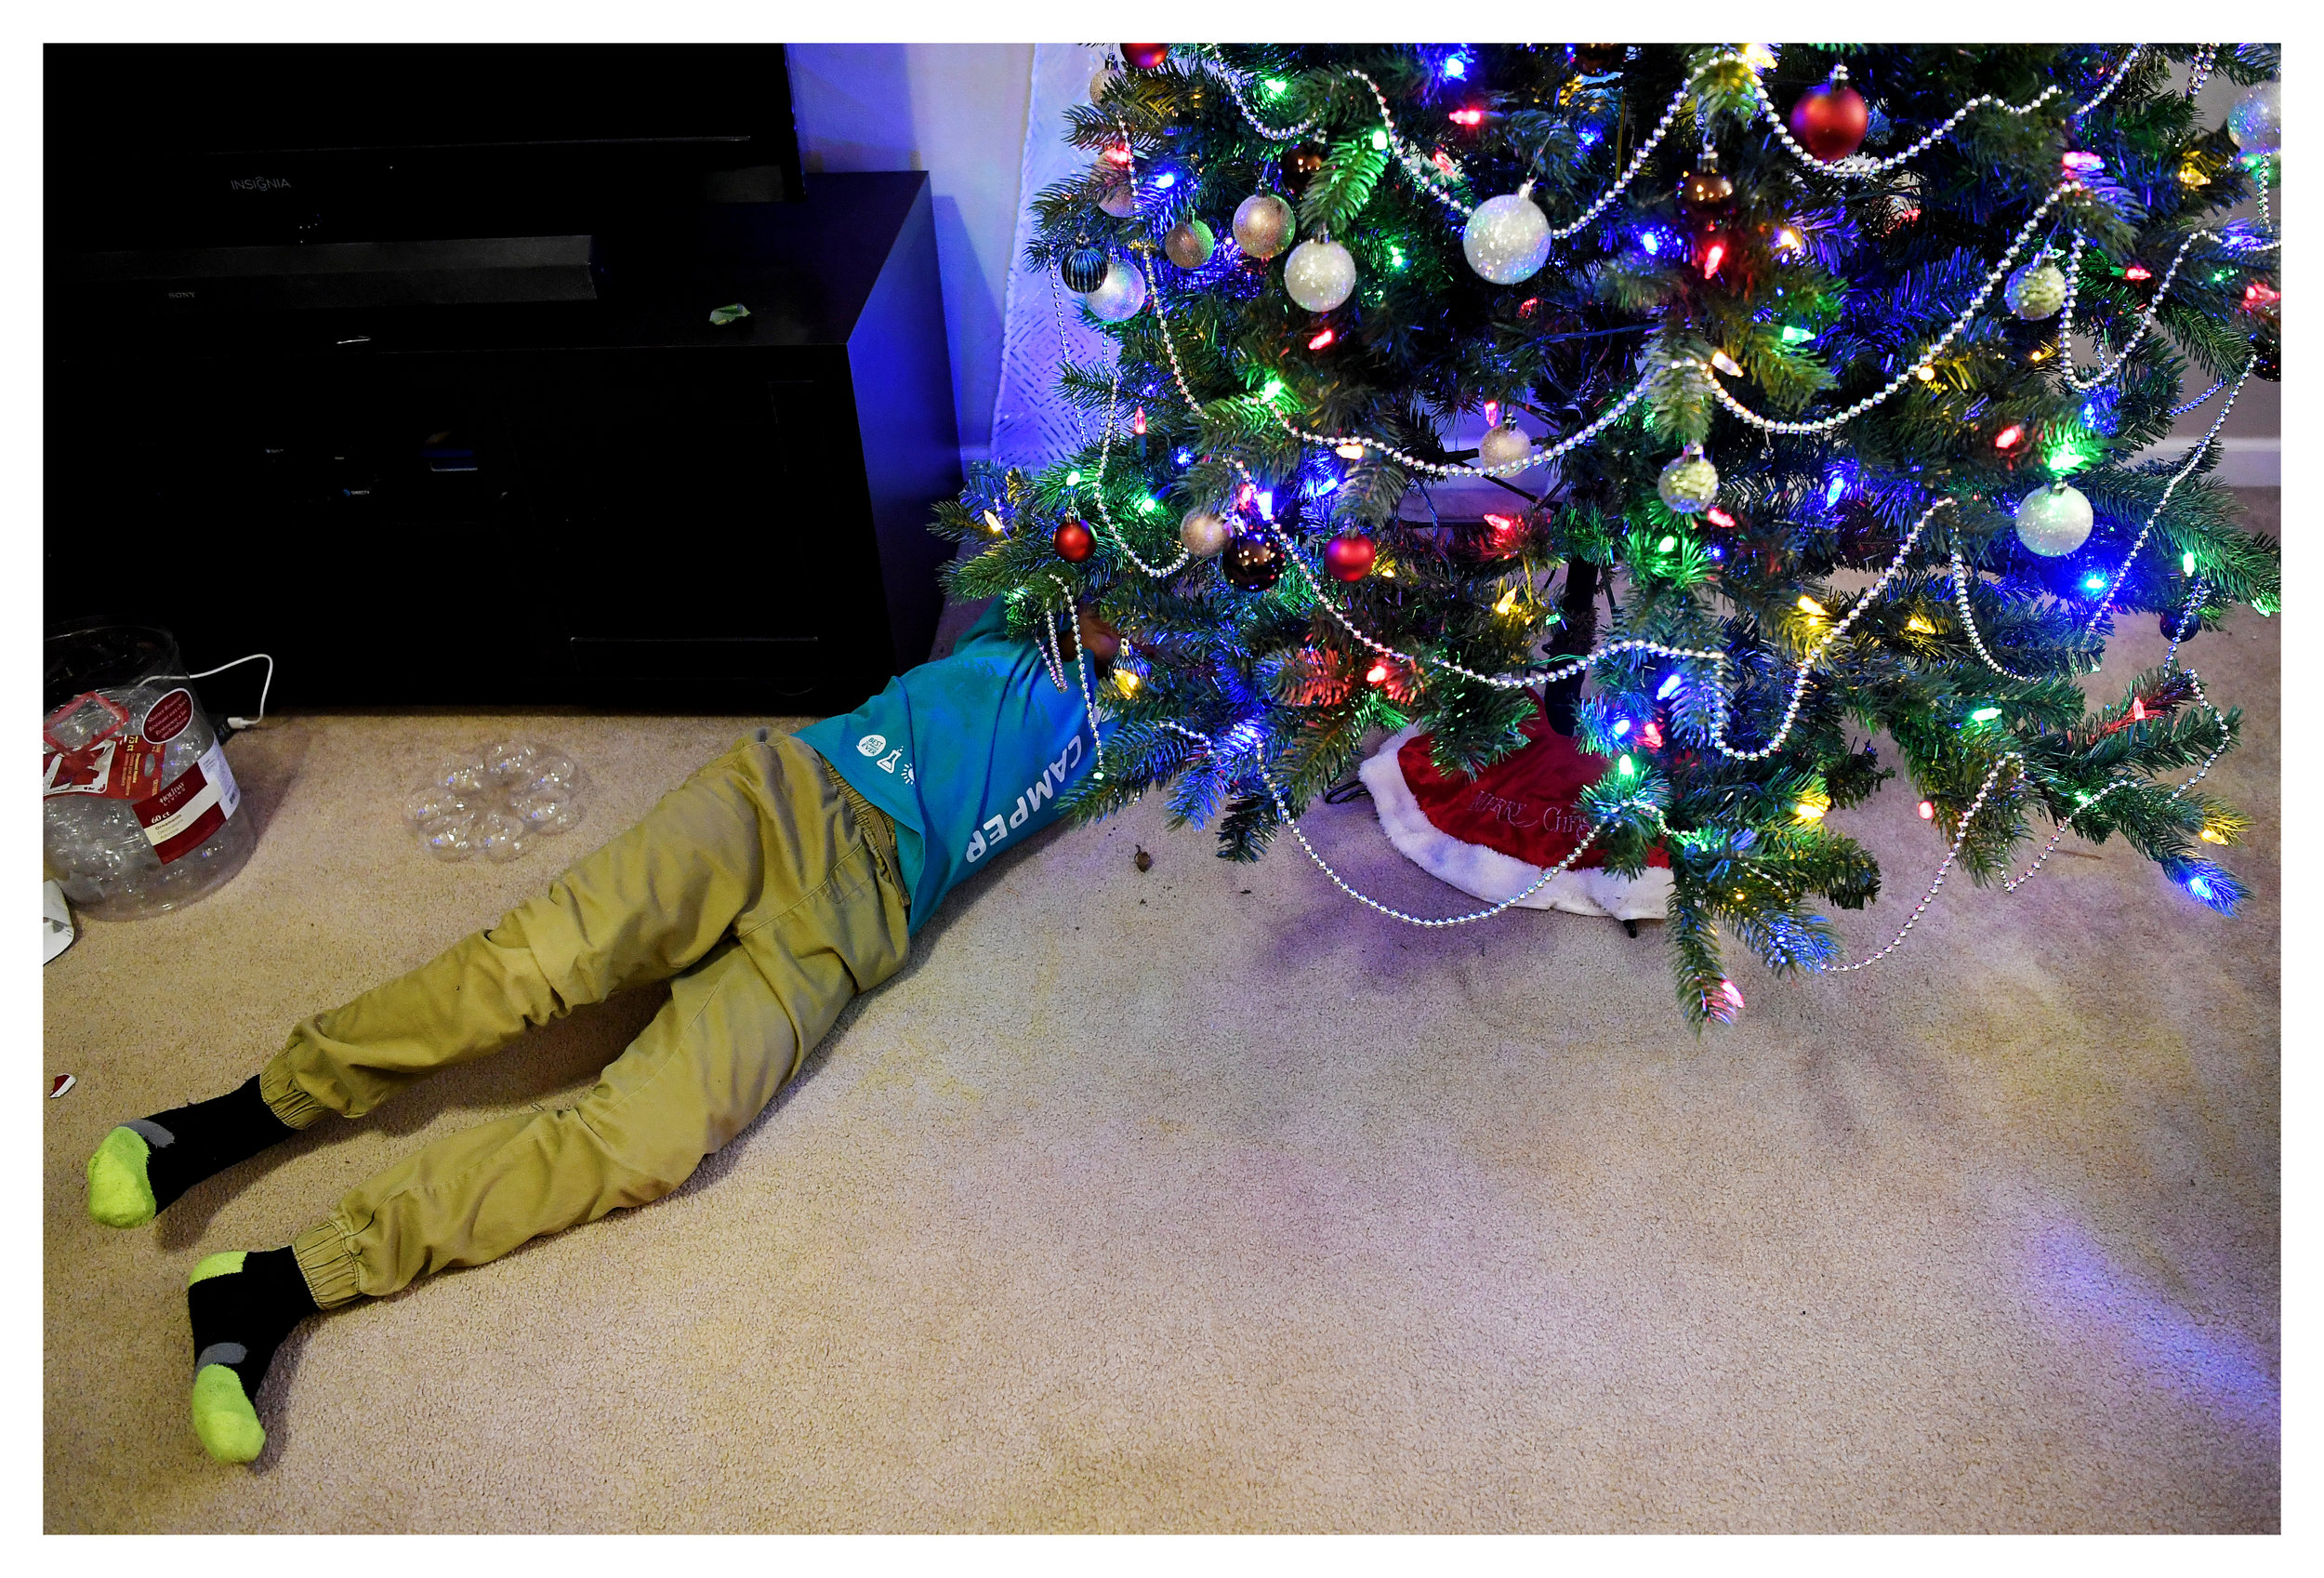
column 764, row 886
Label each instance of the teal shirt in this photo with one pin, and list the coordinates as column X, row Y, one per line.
column 968, row 754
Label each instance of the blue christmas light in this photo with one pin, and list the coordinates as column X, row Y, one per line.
column 2199, row 887
column 1834, row 488
column 1267, row 504
column 1456, row 67
column 1669, row 687
column 1621, row 728
column 1185, row 456
column 1588, row 136
column 1651, row 242
column 1165, row 180
column 2094, row 582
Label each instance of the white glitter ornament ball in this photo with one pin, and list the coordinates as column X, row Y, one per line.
column 1105, row 77
column 1319, row 274
column 2038, row 291
column 2054, row 521
column 2257, row 121
column 1503, row 445
column 1122, row 294
column 1508, row 238
column 1262, row 224
column 1690, row 483
column 1203, row 532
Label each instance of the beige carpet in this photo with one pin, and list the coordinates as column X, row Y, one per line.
column 1202, row 1199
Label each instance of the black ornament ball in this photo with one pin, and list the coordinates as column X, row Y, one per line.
column 1300, row 166
column 1708, row 200
column 1252, row 562
column 1083, row 270
column 2180, row 624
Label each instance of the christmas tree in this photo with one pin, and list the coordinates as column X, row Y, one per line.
column 1812, row 378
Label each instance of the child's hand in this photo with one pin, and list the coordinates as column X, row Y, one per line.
column 1100, row 640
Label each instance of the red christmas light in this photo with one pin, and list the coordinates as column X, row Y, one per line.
column 1320, row 340
column 2138, row 272
column 2258, row 295
column 1138, row 423
column 1375, row 673
column 2138, row 710
column 1712, row 256
column 1527, row 308
column 2009, row 437
column 1719, row 517
column 1492, row 413
column 1467, row 117
column 1443, row 161
column 2079, row 164
column 1928, row 811
column 1119, row 154
column 1651, row 736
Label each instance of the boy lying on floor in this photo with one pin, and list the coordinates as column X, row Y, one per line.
column 776, row 883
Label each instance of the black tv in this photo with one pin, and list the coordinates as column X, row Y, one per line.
column 325, row 175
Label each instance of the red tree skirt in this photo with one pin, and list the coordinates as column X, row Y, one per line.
column 1492, row 835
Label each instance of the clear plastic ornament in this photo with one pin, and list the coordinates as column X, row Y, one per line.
column 497, row 801
column 2054, row 521
column 2257, row 121
column 1688, row 483
column 1121, row 295
column 2035, row 291
column 1508, row 238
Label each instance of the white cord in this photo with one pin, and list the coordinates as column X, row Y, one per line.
column 245, row 723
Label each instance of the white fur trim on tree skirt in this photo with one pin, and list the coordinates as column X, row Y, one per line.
column 1489, row 874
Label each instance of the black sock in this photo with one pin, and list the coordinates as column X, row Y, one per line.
column 189, row 1144
column 242, row 1306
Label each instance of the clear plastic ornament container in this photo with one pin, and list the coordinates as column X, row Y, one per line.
column 140, row 812
column 497, row 800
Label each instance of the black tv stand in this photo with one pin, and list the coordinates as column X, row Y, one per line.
column 604, row 499
column 346, row 274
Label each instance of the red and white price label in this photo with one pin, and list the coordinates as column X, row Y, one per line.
column 177, row 820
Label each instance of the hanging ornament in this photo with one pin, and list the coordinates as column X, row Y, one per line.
column 1320, row 274
column 1203, row 532
column 1706, row 197
column 2257, row 121
column 1829, row 122
column 2054, row 521
column 1508, row 237
column 1349, row 556
column 1189, row 243
column 1504, row 445
column 1251, row 561
column 1120, row 200
column 1262, row 224
column 1688, row 483
column 1122, row 294
column 2036, row 290
column 1145, row 57
column 1300, row 166
column 1074, row 542
column 1101, row 80
column 1083, row 270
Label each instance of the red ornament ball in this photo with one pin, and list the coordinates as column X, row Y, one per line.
column 1830, row 121
column 1349, row 556
column 1145, row 57
column 1074, row 542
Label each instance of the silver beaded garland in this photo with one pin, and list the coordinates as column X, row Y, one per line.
column 2054, row 521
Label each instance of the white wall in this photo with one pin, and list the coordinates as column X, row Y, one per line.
column 957, row 112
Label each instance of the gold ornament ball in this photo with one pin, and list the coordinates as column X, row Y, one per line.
column 1189, row 243
column 1688, row 483
column 2035, row 291
column 1203, row 532
column 1262, row 224
column 1105, row 77
column 1503, row 445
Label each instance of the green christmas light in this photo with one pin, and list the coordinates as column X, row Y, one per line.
column 1985, row 715
column 2186, row 564
column 1276, row 86
column 2069, row 453
column 1073, row 479
column 1380, row 137
column 1395, row 256
column 1793, row 334
column 1667, row 544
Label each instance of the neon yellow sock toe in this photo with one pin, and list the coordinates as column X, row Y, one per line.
column 223, row 1418
column 120, row 1195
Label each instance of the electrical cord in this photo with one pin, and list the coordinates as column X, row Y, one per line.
column 263, row 689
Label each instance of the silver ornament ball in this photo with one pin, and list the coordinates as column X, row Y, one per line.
column 1104, row 77
column 1121, row 295
column 1319, row 274
column 1189, row 243
column 1688, row 483
column 1262, row 224
column 2257, row 121
column 2035, row 291
column 1508, row 238
column 1203, row 532
column 1503, row 445
column 2054, row 521
column 1120, row 200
